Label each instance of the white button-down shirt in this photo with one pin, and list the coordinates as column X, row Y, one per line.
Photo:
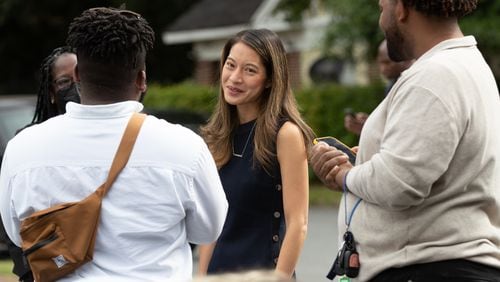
column 169, row 193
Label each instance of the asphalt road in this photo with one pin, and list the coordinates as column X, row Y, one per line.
column 320, row 247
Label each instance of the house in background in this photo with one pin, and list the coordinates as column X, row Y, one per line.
column 209, row 23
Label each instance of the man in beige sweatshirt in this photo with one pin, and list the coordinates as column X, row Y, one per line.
column 428, row 166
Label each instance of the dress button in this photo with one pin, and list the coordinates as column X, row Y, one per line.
column 276, row 238
column 277, row 214
column 278, row 187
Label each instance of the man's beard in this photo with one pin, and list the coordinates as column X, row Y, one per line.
column 396, row 44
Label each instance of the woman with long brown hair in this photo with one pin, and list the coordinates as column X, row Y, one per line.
column 260, row 144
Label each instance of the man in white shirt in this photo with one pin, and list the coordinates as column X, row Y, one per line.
column 428, row 167
column 168, row 195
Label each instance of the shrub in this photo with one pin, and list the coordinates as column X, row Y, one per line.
column 322, row 106
column 185, row 96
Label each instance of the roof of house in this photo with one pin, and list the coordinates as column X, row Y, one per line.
column 216, row 13
column 211, row 21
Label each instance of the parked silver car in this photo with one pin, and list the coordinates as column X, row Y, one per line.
column 16, row 111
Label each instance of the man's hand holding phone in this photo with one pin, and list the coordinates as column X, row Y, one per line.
column 330, row 160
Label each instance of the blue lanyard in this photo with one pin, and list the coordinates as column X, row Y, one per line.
column 348, row 218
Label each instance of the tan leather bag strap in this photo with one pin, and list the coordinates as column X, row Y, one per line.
column 124, row 150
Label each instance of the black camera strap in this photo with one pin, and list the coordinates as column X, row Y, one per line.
column 346, row 263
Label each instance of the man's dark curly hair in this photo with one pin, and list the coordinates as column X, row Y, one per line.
column 111, row 45
column 443, row 8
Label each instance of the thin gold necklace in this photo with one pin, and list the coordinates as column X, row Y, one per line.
column 246, row 143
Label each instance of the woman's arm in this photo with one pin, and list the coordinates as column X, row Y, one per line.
column 292, row 157
column 205, row 254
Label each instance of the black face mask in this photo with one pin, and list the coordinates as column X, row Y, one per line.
column 70, row 94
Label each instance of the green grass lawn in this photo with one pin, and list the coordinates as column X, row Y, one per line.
column 318, row 196
column 5, row 268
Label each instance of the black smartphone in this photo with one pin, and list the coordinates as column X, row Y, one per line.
column 349, row 112
column 332, row 141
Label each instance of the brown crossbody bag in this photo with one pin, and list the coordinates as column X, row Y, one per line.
column 58, row 240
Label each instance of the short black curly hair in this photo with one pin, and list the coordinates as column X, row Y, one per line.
column 111, row 45
column 443, row 8
column 111, row 35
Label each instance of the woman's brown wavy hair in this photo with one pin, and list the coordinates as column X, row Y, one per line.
column 276, row 103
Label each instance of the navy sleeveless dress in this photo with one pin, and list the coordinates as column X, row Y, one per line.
column 254, row 228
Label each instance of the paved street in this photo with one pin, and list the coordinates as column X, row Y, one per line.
column 321, row 245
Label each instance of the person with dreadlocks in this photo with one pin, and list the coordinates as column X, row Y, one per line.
column 57, row 88
column 422, row 202
column 57, row 84
column 168, row 195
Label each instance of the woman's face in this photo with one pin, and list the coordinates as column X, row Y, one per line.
column 243, row 78
column 63, row 77
column 63, row 71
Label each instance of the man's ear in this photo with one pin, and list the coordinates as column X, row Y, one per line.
column 401, row 12
column 140, row 81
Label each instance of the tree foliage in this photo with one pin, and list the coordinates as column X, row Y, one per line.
column 483, row 24
column 30, row 29
column 293, row 8
column 355, row 22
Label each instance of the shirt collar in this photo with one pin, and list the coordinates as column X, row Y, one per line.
column 466, row 41
column 115, row 110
